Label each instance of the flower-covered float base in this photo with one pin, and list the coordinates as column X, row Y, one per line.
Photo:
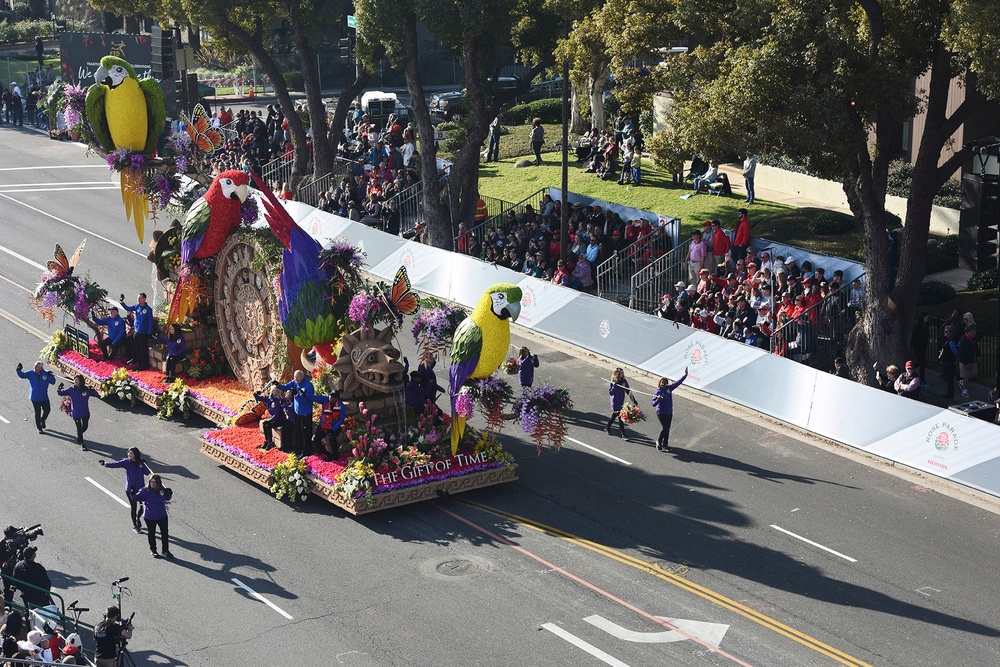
column 216, row 399
column 237, row 448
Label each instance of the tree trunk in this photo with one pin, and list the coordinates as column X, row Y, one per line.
column 323, row 155
column 339, row 119
column 577, row 124
column 597, row 98
column 254, row 44
column 436, row 212
column 464, row 178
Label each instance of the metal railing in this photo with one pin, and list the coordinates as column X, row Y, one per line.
column 615, row 274
column 410, row 205
column 651, row 282
column 229, row 132
column 829, row 323
column 498, row 220
column 309, row 193
column 987, row 348
column 278, row 170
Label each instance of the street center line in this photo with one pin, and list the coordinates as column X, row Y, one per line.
column 581, row 644
column 815, row 544
column 262, row 599
column 4, row 419
column 61, row 166
column 29, row 262
column 122, row 502
column 70, row 224
column 17, row 285
column 39, row 185
column 18, row 322
column 104, row 186
column 599, row 451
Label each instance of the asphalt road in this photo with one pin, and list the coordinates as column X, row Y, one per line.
column 748, row 546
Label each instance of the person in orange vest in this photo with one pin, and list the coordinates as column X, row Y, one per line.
column 330, row 420
column 482, row 213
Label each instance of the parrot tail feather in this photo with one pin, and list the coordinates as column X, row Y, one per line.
column 136, row 202
column 457, row 431
column 185, row 298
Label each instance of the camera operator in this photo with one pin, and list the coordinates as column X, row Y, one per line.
column 109, row 634
column 28, row 571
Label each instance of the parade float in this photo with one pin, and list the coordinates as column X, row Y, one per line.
column 257, row 300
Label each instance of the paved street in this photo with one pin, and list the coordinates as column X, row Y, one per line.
column 749, row 546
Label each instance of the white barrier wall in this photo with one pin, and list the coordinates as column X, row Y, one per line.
column 922, row 436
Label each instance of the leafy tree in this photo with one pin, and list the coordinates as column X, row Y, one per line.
column 829, row 84
column 483, row 35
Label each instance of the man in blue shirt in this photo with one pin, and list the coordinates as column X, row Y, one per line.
column 143, row 331
column 39, row 379
column 115, row 339
column 302, row 404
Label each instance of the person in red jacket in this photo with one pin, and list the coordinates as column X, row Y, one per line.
column 742, row 238
column 720, row 246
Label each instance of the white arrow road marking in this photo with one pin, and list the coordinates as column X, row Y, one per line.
column 710, row 633
column 815, row 544
column 262, row 599
column 3, row 419
column 579, row 643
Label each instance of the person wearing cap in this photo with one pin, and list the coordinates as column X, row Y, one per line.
column 908, row 384
column 742, row 238
column 666, row 310
column 39, row 380
column 696, row 255
column 792, row 267
column 108, row 635
column 34, row 580
column 114, row 341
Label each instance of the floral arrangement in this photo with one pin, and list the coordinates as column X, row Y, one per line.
column 249, row 212
column 74, row 107
column 120, row 386
column 125, row 159
column 511, row 366
column 429, row 434
column 435, row 328
column 76, row 295
column 344, row 260
column 541, row 412
column 176, row 400
column 157, row 187
column 57, row 343
column 182, row 151
column 355, row 478
column 369, row 308
column 289, row 480
column 66, row 405
column 631, row 414
column 493, row 394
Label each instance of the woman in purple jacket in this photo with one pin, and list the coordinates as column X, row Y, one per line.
column 154, row 498
column 174, row 341
column 135, row 473
column 663, row 401
column 527, row 363
column 618, row 390
column 79, row 405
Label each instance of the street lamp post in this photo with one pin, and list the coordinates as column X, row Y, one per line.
column 564, row 207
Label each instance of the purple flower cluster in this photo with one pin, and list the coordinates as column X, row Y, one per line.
column 81, row 308
column 363, row 308
column 436, row 326
column 124, row 159
column 540, row 401
column 464, row 405
column 163, row 187
column 180, row 147
column 249, row 212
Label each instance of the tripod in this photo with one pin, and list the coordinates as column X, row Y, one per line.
column 122, row 655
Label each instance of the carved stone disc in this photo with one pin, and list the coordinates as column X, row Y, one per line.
column 245, row 312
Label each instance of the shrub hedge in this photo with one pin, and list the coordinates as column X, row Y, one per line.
column 831, row 223
column 935, row 291
column 550, row 111
column 983, row 280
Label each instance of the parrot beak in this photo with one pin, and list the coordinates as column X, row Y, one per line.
column 102, row 76
column 513, row 309
column 242, row 191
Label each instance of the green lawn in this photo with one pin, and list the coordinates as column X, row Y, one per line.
column 657, row 194
column 790, row 226
column 14, row 70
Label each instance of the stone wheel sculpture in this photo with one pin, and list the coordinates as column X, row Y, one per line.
column 245, row 313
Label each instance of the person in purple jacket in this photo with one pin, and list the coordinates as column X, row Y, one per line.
column 135, row 474
column 618, row 390
column 526, row 365
column 154, row 498
column 277, row 407
column 79, row 405
column 174, row 340
column 663, row 402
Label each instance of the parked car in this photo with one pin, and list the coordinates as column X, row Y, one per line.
column 452, row 105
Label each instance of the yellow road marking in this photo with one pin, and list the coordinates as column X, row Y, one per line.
column 18, row 322
column 680, row 582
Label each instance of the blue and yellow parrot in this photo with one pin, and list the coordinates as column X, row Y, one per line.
column 480, row 344
column 125, row 112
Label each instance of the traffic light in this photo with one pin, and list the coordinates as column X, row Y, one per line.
column 979, row 224
column 345, row 49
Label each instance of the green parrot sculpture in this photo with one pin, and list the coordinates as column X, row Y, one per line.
column 125, row 112
column 480, row 344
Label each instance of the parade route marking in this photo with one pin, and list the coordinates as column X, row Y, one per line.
column 815, row 544
column 15, row 186
column 17, row 285
column 21, row 257
column 4, row 419
column 119, row 500
column 59, row 166
column 103, row 186
column 579, row 643
column 70, row 224
column 599, row 451
column 18, row 322
column 710, row 632
column 671, row 578
column 262, row 599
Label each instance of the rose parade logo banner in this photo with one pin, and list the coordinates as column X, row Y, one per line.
column 944, row 439
column 696, row 355
column 81, row 53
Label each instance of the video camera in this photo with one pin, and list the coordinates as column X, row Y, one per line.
column 18, row 538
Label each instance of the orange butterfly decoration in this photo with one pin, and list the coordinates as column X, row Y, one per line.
column 62, row 267
column 403, row 299
column 199, row 127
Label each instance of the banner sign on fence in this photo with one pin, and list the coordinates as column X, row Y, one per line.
column 671, row 224
column 81, row 53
